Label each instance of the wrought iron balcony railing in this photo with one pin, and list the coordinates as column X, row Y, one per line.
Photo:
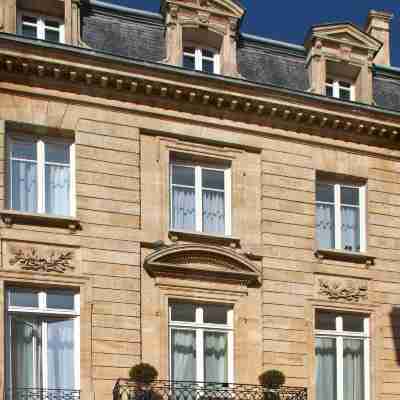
column 172, row 390
column 41, row 394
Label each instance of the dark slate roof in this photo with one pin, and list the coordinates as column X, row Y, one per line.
column 123, row 31
column 141, row 35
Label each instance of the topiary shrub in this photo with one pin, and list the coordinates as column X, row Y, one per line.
column 143, row 373
column 272, row 379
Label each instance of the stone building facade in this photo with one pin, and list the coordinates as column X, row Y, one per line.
column 178, row 192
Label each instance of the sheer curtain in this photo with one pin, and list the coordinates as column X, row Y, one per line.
column 215, row 357
column 326, row 226
column 353, row 369
column 183, row 344
column 60, row 354
column 24, row 195
column 57, row 189
column 213, row 212
column 326, row 368
column 350, row 228
column 183, row 208
column 26, row 348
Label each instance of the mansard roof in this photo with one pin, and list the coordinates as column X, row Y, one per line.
column 140, row 35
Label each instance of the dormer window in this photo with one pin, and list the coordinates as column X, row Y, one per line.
column 339, row 89
column 41, row 27
column 201, row 59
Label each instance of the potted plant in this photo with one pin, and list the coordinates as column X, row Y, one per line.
column 272, row 380
column 143, row 375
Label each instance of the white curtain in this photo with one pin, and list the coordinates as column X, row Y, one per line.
column 60, row 354
column 216, row 357
column 183, row 208
column 57, row 189
column 26, row 349
column 24, row 195
column 325, row 353
column 326, row 226
column 353, row 369
column 213, row 212
column 183, row 344
column 350, row 228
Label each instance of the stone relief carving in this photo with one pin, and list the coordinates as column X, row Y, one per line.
column 32, row 260
column 350, row 291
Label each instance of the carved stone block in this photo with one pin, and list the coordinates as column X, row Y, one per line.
column 341, row 289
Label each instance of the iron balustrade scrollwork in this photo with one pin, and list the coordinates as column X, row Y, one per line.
column 125, row 389
column 41, row 394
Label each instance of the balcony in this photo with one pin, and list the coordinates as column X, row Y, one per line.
column 41, row 394
column 172, row 390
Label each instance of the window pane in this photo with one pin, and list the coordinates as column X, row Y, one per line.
column 21, row 297
column 57, row 186
column 63, row 299
column 208, row 53
column 184, row 312
column 26, row 352
column 325, row 321
column 325, row 226
column 353, row 323
column 326, row 380
column 216, row 314
column 29, row 31
column 25, row 150
column 24, row 186
column 189, row 50
column 29, row 19
column 350, row 228
column 183, row 175
column 325, row 193
column 213, row 212
column 213, row 179
column 183, row 357
column 52, row 35
column 183, row 208
column 57, row 153
column 350, row 196
column 329, row 91
column 344, row 94
column 60, row 354
column 52, row 23
column 208, row 66
column 353, row 369
column 189, row 62
column 215, row 357
column 344, row 84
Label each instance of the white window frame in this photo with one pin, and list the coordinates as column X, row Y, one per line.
column 339, row 335
column 198, row 187
column 40, row 165
column 336, row 87
column 200, row 327
column 41, row 24
column 338, row 215
column 199, row 57
column 48, row 313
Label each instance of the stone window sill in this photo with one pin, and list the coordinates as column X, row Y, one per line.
column 11, row 217
column 177, row 235
column 349, row 256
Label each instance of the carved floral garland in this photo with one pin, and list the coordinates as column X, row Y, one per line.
column 340, row 291
column 32, row 261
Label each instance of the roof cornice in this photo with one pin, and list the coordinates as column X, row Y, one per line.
column 74, row 69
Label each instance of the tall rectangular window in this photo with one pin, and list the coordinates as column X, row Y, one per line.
column 342, row 356
column 201, row 342
column 41, row 179
column 340, row 89
column 340, row 216
column 201, row 59
column 200, row 198
column 42, row 341
column 41, row 27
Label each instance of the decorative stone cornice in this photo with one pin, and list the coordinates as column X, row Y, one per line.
column 260, row 104
column 351, row 291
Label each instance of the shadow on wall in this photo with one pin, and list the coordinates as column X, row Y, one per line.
column 395, row 325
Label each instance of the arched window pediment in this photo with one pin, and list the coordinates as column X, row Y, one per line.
column 202, row 262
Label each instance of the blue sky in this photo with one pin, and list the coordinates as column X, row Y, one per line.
column 289, row 20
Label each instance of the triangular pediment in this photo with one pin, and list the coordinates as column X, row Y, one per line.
column 202, row 262
column 345, row 33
